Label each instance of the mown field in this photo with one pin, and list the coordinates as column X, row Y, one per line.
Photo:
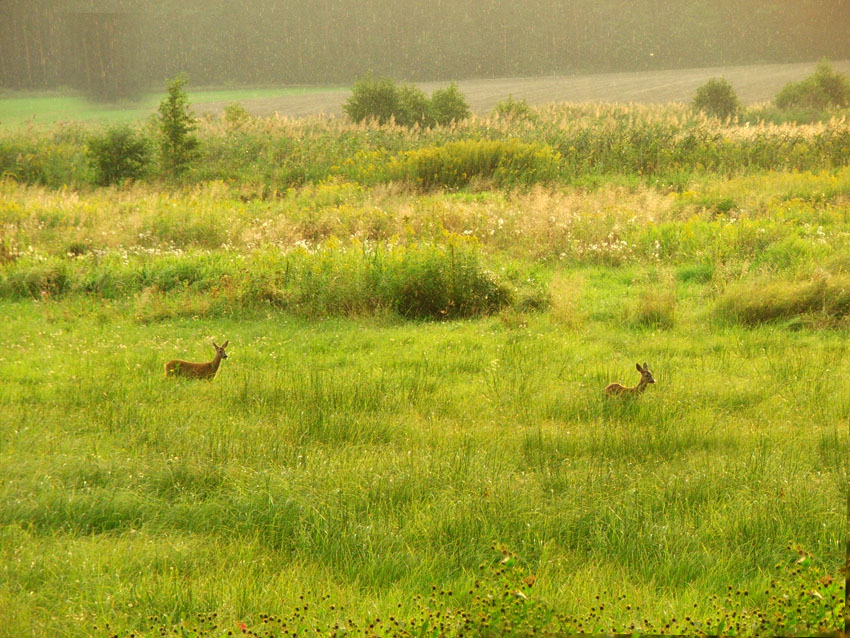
column 410, row 434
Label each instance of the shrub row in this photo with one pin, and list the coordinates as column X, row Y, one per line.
column 825, row 89
column 382, row 100
column 416, row 280
column 593, row 142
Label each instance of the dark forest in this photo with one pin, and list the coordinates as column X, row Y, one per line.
column 117, row 47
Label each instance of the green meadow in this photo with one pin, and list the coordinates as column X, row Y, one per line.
column 410, row 435
column 21, row 109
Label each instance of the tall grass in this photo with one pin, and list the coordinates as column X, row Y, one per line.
column 508, row 162
column 820, row 299
column 565, row 143
column 776, row 220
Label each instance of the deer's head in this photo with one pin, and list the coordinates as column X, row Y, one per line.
column 219, row 350
column 645, row 374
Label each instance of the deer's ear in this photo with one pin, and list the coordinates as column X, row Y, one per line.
column 224, row 345
column 639, row 369
column 214, row 346
column 645, row 367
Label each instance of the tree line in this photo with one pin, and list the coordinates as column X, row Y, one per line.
column 111, row 48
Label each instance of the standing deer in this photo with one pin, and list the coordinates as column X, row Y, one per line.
column 177, row 368
column 645, row 380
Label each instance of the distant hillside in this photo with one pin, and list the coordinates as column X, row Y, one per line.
column 112, row 48
column 753, row 83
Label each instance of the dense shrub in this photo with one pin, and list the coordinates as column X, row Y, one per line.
column 380, row 99
column 177, row 144
column 117, row 155
column 448, row 105
column 373, row 98
column 506, row 161
column 825, row 89
column 438, row 281
column 421, row 280
column 413, row 107
column 236, row 115
column 56, row 158
column 717, row 98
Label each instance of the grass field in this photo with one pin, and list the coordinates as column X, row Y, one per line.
column 410, row 434
column 22, row 109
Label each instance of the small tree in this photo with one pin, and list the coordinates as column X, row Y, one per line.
column 412, row 107
column 372, row 98
column 448, row 105
column 717, row 98
column 235, row 114
column 176, row 143
column 118, row 154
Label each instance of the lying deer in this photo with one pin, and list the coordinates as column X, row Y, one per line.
column 177, row 368
column 645, row 380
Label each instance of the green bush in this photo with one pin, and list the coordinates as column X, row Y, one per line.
column 421, row 280
column 825, row 89
column 117, row 155
column 438, row 281
column 413, row 107
column 177, row 144
column 717, row 98
column 236, row 115
column 54, row 156
column 453, row 165
column 448, row 105
column 373, row 98
column 380, row 99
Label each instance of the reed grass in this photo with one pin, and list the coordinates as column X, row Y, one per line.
column 562, row 143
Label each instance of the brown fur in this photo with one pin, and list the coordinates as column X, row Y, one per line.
column 178, row 368
column 619, row 389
